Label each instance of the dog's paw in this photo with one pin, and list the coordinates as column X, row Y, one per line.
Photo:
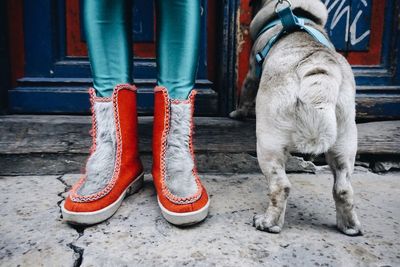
column 349, row 225
column 266, row 223
column 237, row 115
column 351, row 230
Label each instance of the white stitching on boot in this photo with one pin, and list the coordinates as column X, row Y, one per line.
column 179, row 163
column 100, row 166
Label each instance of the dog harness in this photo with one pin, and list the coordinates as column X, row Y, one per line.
column 290, row 23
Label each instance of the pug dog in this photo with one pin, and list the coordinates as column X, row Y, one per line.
column 304, row 102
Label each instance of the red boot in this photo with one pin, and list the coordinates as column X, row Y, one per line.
column 181, row 196
column 114, row 169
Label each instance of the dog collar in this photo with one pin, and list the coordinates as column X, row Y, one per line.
column 290, row 23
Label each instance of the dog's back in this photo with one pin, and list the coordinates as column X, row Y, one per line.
column 303, row 99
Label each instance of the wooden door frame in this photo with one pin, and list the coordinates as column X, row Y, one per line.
column 227, row 38
column 5, row 69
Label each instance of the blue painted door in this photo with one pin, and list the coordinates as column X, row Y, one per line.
column 55, row 73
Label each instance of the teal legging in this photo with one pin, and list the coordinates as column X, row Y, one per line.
column 108, row 32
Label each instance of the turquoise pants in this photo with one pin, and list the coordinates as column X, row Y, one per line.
column 108, row 32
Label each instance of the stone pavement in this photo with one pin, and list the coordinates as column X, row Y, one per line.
column 32, row 232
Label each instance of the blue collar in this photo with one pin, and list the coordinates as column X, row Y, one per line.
column 290, row 23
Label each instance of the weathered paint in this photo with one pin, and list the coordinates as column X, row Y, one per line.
column 244, row 42
column 16, row 39
column 373, row 55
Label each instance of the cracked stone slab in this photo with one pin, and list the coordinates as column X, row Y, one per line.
column 31, row 230
column 138, row 235
column 385, row 166
column 298, row 164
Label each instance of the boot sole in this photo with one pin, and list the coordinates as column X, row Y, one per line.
column 93, row 217
column 186, row 218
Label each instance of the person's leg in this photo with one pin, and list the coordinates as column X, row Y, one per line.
column 178, row 37
column 108, row 34
column 181, row 195
column 113, row 168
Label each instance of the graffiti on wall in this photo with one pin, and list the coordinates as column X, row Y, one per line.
column 349, row 23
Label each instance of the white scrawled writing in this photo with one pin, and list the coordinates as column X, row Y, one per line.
column 340, row 9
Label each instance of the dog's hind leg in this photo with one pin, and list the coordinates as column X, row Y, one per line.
column 248, row 94
column 341, row 159
column 272, row 158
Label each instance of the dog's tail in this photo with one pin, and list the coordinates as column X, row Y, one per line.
column 315, row 109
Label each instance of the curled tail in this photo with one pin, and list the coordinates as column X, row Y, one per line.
column 315, row 109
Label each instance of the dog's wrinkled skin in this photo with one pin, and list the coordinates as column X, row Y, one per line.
column 305, row 102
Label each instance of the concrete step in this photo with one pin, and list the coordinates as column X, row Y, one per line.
column 50, row 144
